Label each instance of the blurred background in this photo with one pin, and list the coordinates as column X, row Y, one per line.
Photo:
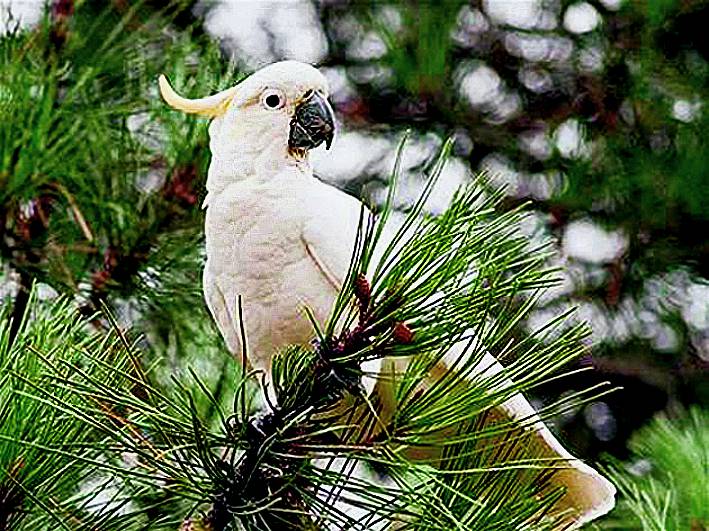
column 593, row 111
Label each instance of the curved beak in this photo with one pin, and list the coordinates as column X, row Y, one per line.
column 313, row 123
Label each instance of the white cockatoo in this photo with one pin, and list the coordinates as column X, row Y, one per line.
column 281, row 239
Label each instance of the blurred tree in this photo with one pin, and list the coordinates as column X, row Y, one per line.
column 595, row 112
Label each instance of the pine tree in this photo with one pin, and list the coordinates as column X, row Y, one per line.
column 305, row 461
column 143, row 420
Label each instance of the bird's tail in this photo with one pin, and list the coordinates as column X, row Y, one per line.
column 516, row 433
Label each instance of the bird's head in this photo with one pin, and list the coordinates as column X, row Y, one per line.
column 281, row 110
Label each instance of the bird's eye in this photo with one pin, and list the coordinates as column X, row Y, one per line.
column 272, row 99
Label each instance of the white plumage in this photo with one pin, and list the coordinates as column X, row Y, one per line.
column 271, row 242
column 281, row 239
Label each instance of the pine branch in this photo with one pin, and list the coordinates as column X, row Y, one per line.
column 35, row 466
column 304, row 461
column 68, row 153
column 19, row 307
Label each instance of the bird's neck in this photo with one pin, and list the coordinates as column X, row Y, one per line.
column 260, row 164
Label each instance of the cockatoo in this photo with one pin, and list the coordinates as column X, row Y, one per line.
column 280, row 238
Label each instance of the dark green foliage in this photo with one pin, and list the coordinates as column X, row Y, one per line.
column 86, row 197
column 43, row 438
column 100, row 186
column 153, row 454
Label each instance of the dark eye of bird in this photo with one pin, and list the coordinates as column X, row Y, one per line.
column 273, row 101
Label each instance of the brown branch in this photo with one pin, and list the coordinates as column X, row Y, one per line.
column 19, row 308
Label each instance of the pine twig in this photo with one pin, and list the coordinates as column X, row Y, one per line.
column 262, row 477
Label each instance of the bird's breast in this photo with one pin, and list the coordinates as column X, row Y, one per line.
column 254, row 236
column 255, row 250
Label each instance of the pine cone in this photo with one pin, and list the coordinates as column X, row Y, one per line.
column 402, row 333
column 362, row 290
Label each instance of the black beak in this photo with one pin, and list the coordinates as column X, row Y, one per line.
column 313, row 123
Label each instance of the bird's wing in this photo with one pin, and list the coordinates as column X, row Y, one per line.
column 329, row 235
column 221, row 312
column 329, row 239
